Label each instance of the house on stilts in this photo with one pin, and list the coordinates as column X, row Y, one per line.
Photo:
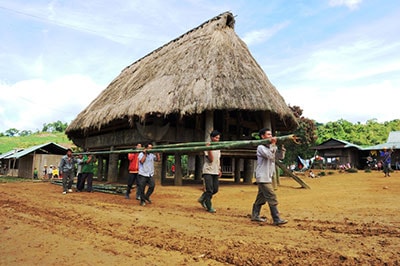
column 203, row 80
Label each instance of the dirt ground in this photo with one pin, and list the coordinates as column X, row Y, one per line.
column 344, row 219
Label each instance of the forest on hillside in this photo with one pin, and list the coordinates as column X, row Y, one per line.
column 309, row 131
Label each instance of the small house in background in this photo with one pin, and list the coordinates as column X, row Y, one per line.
column 339, row 152
column 23, row 162
column 392, row 143
column 4, row 163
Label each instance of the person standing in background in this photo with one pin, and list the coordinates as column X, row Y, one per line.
column 35, row 173
column 87, row 172
column 79, row 161
column 50, row 172
column 386, row 157
column 67, row 169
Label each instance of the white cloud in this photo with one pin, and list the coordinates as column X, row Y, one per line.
column 31, row 103
column 355, row 104
column 260, row 36
column 351, row 4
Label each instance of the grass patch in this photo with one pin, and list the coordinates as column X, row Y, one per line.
column 352, row 170
column 10, row 143
column 10, row 179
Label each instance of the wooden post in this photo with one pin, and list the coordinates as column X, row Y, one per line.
column 178, row 170
column 209, row 124
column 113, row 166
column 198, row 167
column 107, row 160
column 164, row 169
column 248, row 171
column 123, row 168
column 237, row 170
column 266, row 120
column 100, row 167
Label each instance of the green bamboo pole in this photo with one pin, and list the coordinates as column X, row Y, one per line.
column 295, row 177
column 192, row 147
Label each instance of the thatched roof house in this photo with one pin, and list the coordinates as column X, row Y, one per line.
column 204, row 79
column 207, row 68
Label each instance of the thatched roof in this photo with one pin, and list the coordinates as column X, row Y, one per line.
column 207, row 68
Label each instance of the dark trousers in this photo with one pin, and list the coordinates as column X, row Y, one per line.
column 211, row 183
column 89, row 178
column 386, row 168
column 133, row 179
column 78, row 182
column 143, row 181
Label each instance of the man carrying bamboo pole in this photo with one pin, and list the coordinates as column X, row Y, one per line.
column 211, row 173
column 265, row 170
column 133, row 172
column 146, row 173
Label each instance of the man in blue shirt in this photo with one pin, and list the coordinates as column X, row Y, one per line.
column 386, row 160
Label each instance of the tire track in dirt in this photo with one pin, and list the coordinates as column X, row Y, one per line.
column 363, row 229
column 228, row 237
column 168, row 239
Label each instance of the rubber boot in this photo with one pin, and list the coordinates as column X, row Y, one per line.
column 275, row 215
column 201, row 200
column 209, row 206
column 255, row 214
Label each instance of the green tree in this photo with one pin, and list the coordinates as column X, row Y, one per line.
column 57, row 126
column 25, row 133
column 306, row 131
column 11, row 132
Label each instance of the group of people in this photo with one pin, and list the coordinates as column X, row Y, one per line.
column 141, row 174
column 265, row 170
column 85, row 170
column 141, row 171
column 48, row 172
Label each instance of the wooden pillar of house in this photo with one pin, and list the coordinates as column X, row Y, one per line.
column 164, row 169
column 159, row 169
column 237, row 170
column 198, row 168
column 123, row 168
column 112, row 166
column 248, row 171
column 178, row 170
column 209, row 124
column 208, row 128
column 100, row 167
column 106, row 161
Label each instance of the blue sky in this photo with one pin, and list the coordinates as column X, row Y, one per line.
column 336, row 59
